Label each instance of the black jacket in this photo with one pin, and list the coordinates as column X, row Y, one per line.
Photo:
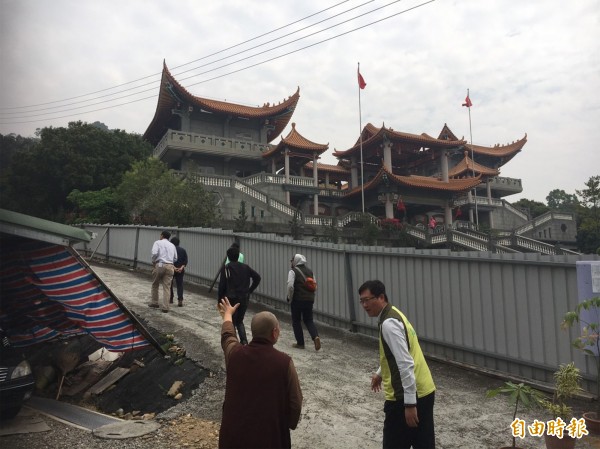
column 237, row 280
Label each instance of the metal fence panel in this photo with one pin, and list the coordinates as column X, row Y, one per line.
column 496, row 311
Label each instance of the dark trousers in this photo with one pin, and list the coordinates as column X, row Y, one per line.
column 303, row 311
column 238, row 318
column 178, row 281
column 397, row 435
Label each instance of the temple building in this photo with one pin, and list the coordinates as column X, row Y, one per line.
column 441, row 190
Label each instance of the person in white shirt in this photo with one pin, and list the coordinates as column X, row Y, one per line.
column 164, row 255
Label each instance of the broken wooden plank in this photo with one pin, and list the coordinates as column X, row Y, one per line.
column 110, row 379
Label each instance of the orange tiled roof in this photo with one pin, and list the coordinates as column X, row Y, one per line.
column 499, row 150
column 447, row 134
column 172, row 94
column 420, row 182
column 296, row 141
column 467, row 165
column 328, row 167
column 372, row 134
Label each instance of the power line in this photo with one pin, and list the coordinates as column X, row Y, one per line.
column 52, row 108
column 181, row 65
column 252, row 65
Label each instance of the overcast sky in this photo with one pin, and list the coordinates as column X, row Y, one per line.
column 531, row 66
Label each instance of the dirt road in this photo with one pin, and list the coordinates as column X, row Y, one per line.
column 339, row 409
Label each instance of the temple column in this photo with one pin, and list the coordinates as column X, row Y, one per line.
column 387, row 155
column 470, row 200
column 353, row 172
column 389, row 206
column 448, row 215
column 316, row 184
column 273, row 166
column 327, row 179
column 489, row 191
column 444, row 166
column 287, row 174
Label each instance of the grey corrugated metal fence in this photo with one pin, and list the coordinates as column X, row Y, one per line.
column 495, row 311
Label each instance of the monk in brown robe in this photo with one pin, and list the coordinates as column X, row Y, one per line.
column 263, row 399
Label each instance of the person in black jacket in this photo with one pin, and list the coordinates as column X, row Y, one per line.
column 180, row 264
column 237, row 281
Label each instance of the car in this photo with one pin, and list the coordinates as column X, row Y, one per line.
column 16, row 381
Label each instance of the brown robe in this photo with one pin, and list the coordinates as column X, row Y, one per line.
column 263, row 399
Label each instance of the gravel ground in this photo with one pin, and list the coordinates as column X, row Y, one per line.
column 339, row 410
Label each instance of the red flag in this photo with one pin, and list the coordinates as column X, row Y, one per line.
column 400, row 207
column 361, row 80
column 458, row 213
column 467, row 102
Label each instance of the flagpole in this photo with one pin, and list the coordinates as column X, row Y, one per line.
column 362, row 177
column 473, row 161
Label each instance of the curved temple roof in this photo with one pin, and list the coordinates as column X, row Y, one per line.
column 468, row 166
column 420, row 182
column 173, row 95
column 373, row 134
column 296, row 141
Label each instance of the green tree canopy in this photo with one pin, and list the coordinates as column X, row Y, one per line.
column 153, row 195
column 588, row 233
column 534, row 208
column 560, row 200
column 82, row 157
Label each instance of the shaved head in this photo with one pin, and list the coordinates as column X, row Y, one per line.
column 262, row 325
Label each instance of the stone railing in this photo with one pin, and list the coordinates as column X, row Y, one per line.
column 209, row 144
column 544, row 218
column 303, row 181
column 256, row 194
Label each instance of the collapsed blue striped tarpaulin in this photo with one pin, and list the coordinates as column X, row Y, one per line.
column 47, row 291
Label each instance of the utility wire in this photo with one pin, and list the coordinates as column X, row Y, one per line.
column 181, row 65
column 252, row 65
column 53, row 108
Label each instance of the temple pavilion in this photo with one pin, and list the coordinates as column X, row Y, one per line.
column 430, row 185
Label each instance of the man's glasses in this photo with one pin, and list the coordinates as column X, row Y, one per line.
column 367, row 299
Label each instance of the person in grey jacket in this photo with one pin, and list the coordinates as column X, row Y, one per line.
column 302, row 302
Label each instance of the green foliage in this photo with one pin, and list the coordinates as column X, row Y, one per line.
column 567, row 381
column 588, row 232
column 241, row 221
column 535, row 208
column 588, row 340
column 99, row 206
column 562, row 201
column 518, row 394
column 81, row 157
column 154, row 196
column 296, row 225
column 369, row 232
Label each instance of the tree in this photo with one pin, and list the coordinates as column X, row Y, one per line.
column 535, row 208
column 153, row 195
column 588, row 232
column 562, row 201
column 242, row 218
column 100, row 206
column 81, row 157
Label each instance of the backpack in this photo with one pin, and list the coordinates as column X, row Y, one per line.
column 310, row 283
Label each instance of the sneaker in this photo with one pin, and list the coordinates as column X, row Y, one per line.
column 297, row 346
column 154, row 306
column 180, row 303
column 164, row 311
column 317, row 342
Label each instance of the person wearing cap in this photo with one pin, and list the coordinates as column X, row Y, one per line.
column 302, row 302
column 403, row 373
